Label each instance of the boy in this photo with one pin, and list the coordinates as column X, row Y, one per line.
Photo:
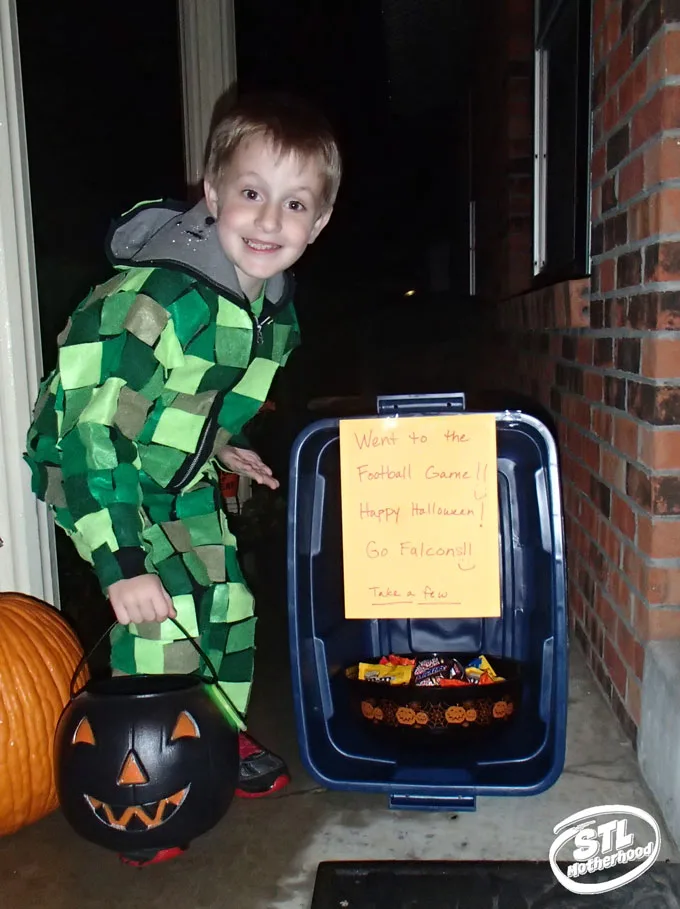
column 158, row 371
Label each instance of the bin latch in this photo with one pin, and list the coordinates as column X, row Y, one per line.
column 394, row 405
column 434, row 802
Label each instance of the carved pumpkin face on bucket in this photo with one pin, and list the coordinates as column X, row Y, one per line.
column 144, row 762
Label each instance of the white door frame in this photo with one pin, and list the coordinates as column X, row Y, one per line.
column 208, row 51
column 27, row 556
column 207, row 31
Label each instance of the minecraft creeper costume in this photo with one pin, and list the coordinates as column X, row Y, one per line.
column 157, row 370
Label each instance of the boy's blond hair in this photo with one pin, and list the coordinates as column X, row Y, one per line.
column 291, row 125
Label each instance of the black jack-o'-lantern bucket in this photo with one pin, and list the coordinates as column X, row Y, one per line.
column 146, row 761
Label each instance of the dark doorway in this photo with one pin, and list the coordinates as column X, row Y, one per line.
column 103, row 102
column 392, row 77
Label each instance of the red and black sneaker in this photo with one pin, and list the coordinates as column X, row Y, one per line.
column 261, row 772
column 143, row 857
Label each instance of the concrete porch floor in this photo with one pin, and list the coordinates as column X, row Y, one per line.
column 264, row 854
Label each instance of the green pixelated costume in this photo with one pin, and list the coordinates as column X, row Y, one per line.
column 158, row 369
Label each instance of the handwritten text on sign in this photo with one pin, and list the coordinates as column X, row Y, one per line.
column 420, row 517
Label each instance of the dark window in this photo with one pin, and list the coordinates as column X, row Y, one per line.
column 562, row 131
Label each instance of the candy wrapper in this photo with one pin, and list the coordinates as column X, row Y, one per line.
column 429, row 672
column 386, row 673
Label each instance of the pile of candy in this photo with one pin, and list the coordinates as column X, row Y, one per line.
column 435, row 671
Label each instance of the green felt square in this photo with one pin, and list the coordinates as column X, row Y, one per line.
column 154, row 386
column 200, row 502
column 236, row 411
column 161, row 548
column 240, row 602
column 230, row 315
column 257, row 380
column 137, row 363
column 168, row 351
column 178, row 429
column 161, row 463
column 135, row 278
column 80, row 365
column 187, row 377
column 131, row 412
column 74, row 401
column 97, row 529
column 280, row 333
column 114, row 311
column 203, row 345
column 146, row 319
column 241, row 636
column 199, row 404
column 188, row 314
column 103, row 404
column 233, row 346
column 204, row 529
column 96, row 440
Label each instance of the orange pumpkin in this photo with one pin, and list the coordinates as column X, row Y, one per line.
column 38, row 655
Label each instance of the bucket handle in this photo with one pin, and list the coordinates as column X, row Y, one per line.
column 194, row 643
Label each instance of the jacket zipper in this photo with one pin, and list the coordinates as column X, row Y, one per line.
column 188, row 471
column 209, row 431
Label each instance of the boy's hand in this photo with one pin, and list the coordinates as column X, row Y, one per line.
column 248, row 464
column 141, row 599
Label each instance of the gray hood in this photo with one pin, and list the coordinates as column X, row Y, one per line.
column 158, row 234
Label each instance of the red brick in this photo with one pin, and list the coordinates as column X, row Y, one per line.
column 660, row 448
column 668, row 212
column 661, row 586
column 633, row 87
column 612, row 28
column 605, row 612
column 659, row 539
column 613, row 469
column 596, row 203
column 629, row 648
column 607, row 275
column 632, row 178
column 626, row 436
column 620, row 60
column 623, row 517
column 641, row 216
column 622, row 595
column 656, row 623
column 664, row 57
column 584, row 351
column 590, row 452
column 634, row 699
column 615, row 667
column 609, row 541
column 662, row 161
column 593, row 386
column 647, row 121
column 601, row 424
column 633, row 567
column 611, row 113
column 598, row 15
column 660, row 355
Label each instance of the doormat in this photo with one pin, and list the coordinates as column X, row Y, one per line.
column 479, row 885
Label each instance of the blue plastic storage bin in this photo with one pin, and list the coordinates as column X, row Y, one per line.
column 338, row 750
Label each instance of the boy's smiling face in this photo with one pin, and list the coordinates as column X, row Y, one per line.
column 268, row 208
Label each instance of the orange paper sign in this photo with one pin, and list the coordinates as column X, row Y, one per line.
column 420, row 517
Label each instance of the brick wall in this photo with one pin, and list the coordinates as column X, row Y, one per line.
column 502, row 148
column 604, row 356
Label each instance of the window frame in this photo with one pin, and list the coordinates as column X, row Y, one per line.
column 547, row 13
